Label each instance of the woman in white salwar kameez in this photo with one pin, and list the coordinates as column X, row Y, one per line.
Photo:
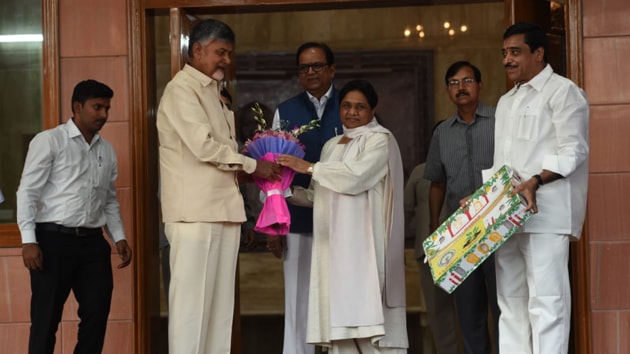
column 357, row 293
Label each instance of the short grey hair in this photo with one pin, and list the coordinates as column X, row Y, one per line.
column 210, row 30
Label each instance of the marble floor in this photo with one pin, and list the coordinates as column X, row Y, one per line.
column 262, row 334
column 262, row 306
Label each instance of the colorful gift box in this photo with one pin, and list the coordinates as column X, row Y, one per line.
column 474, row 232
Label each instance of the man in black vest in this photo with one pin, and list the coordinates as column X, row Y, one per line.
column 316, row 70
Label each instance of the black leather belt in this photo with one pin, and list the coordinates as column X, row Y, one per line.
column 76, row 231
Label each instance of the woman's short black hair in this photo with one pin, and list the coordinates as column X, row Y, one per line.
column 364, row 86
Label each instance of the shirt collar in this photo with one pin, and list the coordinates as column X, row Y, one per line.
column 481, row 112
column 72, row 129
column 197, row 75
column 537, row 82
column 327, row 94
column 73, row 132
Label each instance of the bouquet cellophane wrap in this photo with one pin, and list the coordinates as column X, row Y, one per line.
column 274, row 218
column 266, row 145
column 472, row 233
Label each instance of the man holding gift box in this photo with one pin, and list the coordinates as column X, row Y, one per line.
column 542, row 133
column 460, row 149
column 202, row 207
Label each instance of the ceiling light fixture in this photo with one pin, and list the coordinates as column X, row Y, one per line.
column 21, row 38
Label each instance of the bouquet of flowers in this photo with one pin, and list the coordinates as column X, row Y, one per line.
column 267, row 144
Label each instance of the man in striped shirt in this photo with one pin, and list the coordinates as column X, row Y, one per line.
column 460, row 148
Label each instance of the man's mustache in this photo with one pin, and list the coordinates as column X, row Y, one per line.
column 462, row 93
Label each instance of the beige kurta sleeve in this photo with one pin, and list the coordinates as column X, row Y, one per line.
column 192, row 109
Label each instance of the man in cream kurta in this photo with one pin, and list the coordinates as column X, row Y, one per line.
column 202, row 207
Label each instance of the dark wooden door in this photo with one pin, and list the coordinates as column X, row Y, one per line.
column 564, row 57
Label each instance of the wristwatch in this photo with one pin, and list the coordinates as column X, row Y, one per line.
column 310, row 169
column 539, row 180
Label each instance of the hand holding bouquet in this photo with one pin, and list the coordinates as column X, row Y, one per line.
column 266, row 145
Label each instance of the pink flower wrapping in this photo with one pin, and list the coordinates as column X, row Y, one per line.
column 274, row 218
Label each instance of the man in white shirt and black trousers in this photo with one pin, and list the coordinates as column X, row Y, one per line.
column 66, row 197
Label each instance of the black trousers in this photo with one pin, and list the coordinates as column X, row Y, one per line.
column 476, row 300
column 78, row 263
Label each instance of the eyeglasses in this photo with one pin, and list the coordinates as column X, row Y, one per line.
column 317, row 67
column 466, row 81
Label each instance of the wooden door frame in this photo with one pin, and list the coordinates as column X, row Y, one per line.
column 144, row 146
column 580, row 250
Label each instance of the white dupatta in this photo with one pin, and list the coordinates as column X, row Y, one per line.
column 351, row 227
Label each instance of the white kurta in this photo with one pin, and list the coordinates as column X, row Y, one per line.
column 346, row 298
